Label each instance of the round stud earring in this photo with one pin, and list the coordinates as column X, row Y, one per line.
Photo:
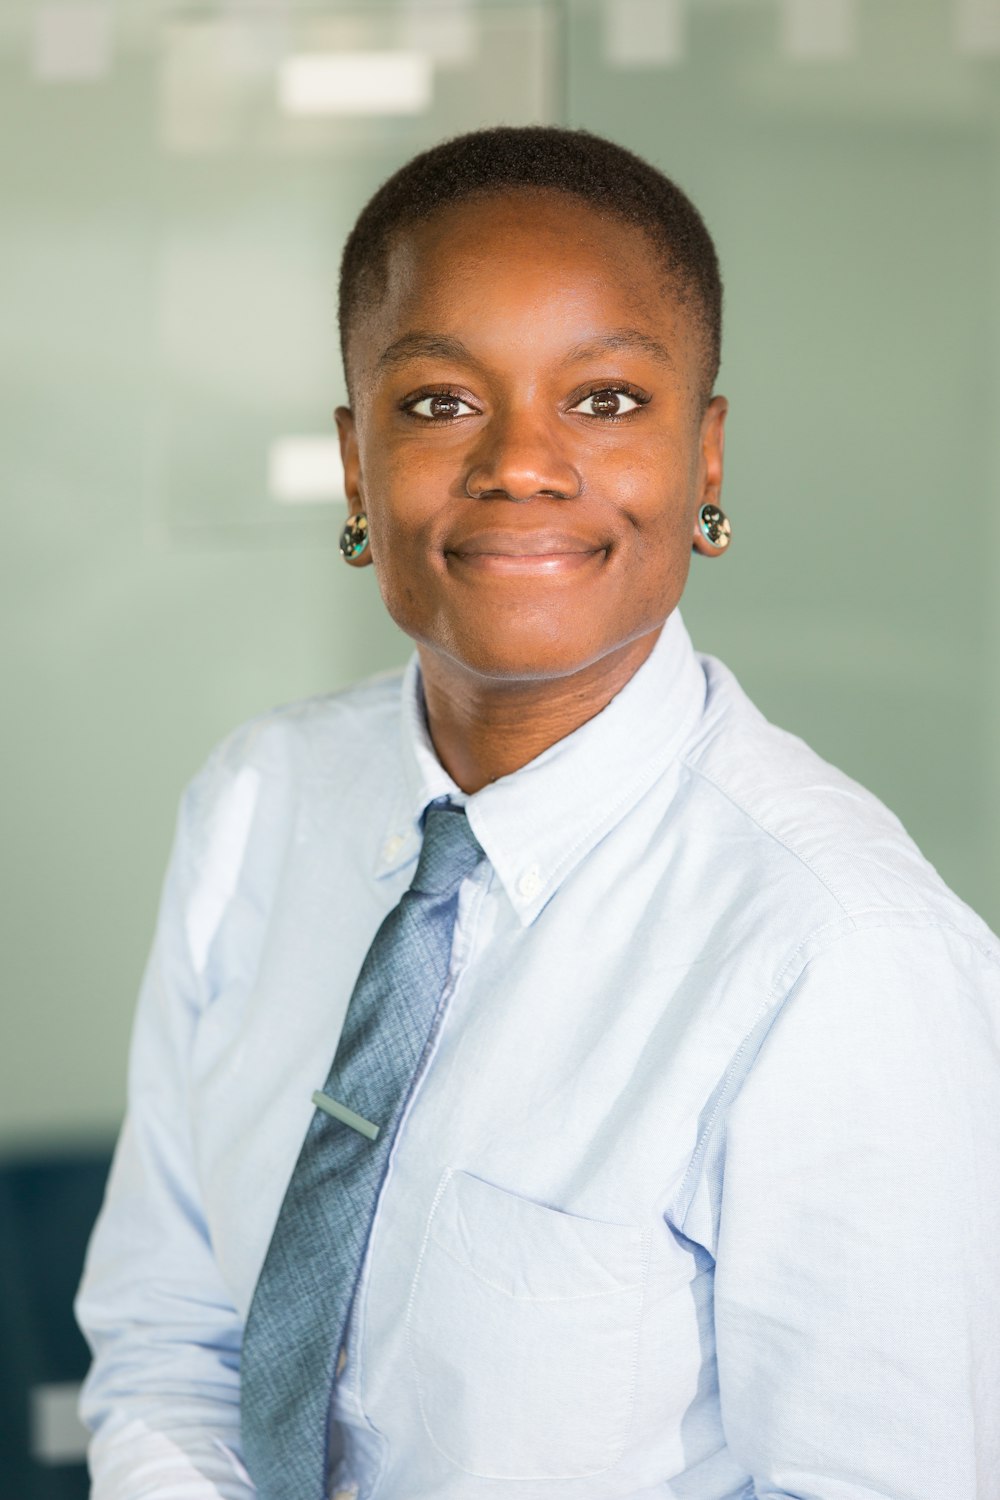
column 354, row 537
column 715, row 526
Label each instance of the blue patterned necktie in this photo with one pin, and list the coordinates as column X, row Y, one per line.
column 298, row 1317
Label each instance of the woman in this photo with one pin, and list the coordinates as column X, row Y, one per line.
column 658, row 1151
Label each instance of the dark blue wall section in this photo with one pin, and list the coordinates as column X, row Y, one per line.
column 47, row 1209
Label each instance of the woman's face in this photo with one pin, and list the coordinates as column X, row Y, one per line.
column 528, row 437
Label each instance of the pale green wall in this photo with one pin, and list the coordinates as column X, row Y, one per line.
column 166, row 311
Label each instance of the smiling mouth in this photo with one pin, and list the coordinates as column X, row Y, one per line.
column 544, row 552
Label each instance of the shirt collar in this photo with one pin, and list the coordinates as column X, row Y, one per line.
column 537, row 824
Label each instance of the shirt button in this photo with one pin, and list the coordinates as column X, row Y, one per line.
column 530, row 882
column 349, row 1494
column 341, row 1362
column 392, row 846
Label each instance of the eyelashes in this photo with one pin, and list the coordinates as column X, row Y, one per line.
column 608, row 403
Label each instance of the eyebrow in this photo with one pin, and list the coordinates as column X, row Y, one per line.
column 443, row 346
column 621, row 338
column 428, row 345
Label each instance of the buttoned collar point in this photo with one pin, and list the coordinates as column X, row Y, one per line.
column 538, row 823
column 401, row 843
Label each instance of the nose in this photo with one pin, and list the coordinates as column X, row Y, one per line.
column 519, row 457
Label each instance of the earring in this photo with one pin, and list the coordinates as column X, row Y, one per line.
column 354, row 538
column 715, row 526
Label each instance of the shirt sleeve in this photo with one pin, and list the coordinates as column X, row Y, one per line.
column 857, row 1279
column 162, row 1396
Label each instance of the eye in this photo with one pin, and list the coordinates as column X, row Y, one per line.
column 440, row 406
column 607, row 403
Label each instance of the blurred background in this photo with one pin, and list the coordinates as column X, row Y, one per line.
column 175, row 186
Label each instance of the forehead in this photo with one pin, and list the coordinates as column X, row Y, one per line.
column 492, row 263
column 513, row 227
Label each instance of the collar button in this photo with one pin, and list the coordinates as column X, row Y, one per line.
column 530, row 882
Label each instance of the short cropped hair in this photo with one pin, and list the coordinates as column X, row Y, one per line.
column 487, row 162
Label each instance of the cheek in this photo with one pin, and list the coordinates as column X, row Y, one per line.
column 388, row 501
column 401, row 517
column 403, row 488
column 659, row 501
column 657, row 498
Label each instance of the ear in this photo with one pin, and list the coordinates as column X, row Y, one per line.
column 711, row 446
column 348, row 434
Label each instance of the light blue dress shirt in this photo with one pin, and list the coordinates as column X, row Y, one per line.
column 698, row 1193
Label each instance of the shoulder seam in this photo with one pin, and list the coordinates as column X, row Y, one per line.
column 785, row 982
column 768, row 832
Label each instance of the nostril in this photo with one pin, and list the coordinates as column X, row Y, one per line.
column 521, row 494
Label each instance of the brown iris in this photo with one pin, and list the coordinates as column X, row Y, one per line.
column 444, row 405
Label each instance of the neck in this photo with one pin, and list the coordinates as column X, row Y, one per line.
column 483, row 728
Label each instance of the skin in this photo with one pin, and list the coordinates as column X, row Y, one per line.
column 531, row 475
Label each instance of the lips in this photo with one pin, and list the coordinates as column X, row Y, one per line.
column 538, row 554
column 537, row 543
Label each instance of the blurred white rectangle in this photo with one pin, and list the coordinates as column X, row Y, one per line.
column 57, row 1434
column 356, row 83
column 977, row 26
column 446, row 30
column 819, row 30
column 72, row 43
column 305, row 470
column 643, row 33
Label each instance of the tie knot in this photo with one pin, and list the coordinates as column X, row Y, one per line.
column 449, row 851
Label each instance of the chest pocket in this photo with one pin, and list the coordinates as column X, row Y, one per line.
column 523, row 1329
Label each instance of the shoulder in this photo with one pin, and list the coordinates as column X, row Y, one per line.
column 862, row 986
column 315, row 754
column 317, row 735
column 324, row 737
column 824, row 841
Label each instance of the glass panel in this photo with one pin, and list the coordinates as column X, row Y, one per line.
column 171, row 232
column 270, row 149
column 846, row 159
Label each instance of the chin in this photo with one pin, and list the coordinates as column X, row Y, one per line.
column 523, row 657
